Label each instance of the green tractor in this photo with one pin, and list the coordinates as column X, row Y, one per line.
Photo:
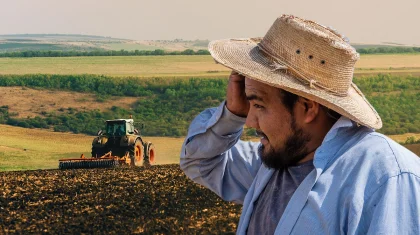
column 122, row 139
column 120, row 144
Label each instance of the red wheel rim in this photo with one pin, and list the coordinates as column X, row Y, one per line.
column 152, row 155
column 138, row 153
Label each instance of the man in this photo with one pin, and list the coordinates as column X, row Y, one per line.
column 320, row 167
column 120, row 130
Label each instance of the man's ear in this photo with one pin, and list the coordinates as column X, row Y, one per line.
column 308, row 110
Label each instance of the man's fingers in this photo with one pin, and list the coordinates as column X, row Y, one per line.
column 234, row 73
column 236, row 100
column 235, row 76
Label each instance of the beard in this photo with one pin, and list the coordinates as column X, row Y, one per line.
column 294, row 149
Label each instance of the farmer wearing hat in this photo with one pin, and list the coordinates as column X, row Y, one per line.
column 320, row 167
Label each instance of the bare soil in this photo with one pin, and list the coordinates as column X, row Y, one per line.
column 31, row 102
column 156, row 200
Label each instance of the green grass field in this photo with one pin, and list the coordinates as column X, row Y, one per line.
column 139, row 66
column 179, row 66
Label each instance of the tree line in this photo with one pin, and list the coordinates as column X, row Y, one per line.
column 49, row 53
column 388, row 50
column 167, row 106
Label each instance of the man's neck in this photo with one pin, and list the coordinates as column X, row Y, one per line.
column 318, row 134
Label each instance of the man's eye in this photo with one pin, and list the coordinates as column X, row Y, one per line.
column 258, row 106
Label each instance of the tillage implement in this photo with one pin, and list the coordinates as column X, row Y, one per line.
column 120, row 144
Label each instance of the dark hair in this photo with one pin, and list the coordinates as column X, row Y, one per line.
column 290, row 99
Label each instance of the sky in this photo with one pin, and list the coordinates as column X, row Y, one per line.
column 362, row 21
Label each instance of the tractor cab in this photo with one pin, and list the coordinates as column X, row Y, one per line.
column 120, row 127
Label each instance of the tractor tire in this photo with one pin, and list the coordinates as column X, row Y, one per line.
column 149, row 159
column 97, row 152
column 136, row 153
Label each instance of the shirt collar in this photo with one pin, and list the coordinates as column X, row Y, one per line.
column 328, row 148
column 341, row 122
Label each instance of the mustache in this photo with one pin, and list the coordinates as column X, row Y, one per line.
column 259, row 133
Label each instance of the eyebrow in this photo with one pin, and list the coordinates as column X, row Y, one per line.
column 253, row 97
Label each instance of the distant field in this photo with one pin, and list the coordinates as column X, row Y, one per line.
column 29, row 46
column 179, row 66
column 27, row 102
column 139, row 66
column 128, row 46
column 395, row 64
column 30, row 149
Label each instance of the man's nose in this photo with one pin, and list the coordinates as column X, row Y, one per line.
column 251, row 120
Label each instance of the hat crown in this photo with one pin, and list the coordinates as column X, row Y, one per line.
column 311, row 52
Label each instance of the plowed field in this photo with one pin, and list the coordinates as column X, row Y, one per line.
column 156, row 200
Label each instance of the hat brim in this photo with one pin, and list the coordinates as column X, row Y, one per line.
column 244, row 56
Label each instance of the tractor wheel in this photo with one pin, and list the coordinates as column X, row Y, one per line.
column 97, row 152
column 136, row 153
column 150, row 156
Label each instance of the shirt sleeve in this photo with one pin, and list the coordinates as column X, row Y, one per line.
column 395, row 206
column 214, row 156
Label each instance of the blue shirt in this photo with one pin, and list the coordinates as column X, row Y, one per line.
column 272, row 202
column 363, row 182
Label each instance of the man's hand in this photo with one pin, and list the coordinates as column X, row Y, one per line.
column 236, row 101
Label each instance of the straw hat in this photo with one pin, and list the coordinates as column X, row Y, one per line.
column 304, row 58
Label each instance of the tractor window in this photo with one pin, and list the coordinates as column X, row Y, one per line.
column 110, row 129
column 119, row 129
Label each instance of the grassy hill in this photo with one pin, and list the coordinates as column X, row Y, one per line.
column 53, row 42
column 72, row 42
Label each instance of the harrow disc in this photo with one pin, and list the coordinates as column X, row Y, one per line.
column 108, row 163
